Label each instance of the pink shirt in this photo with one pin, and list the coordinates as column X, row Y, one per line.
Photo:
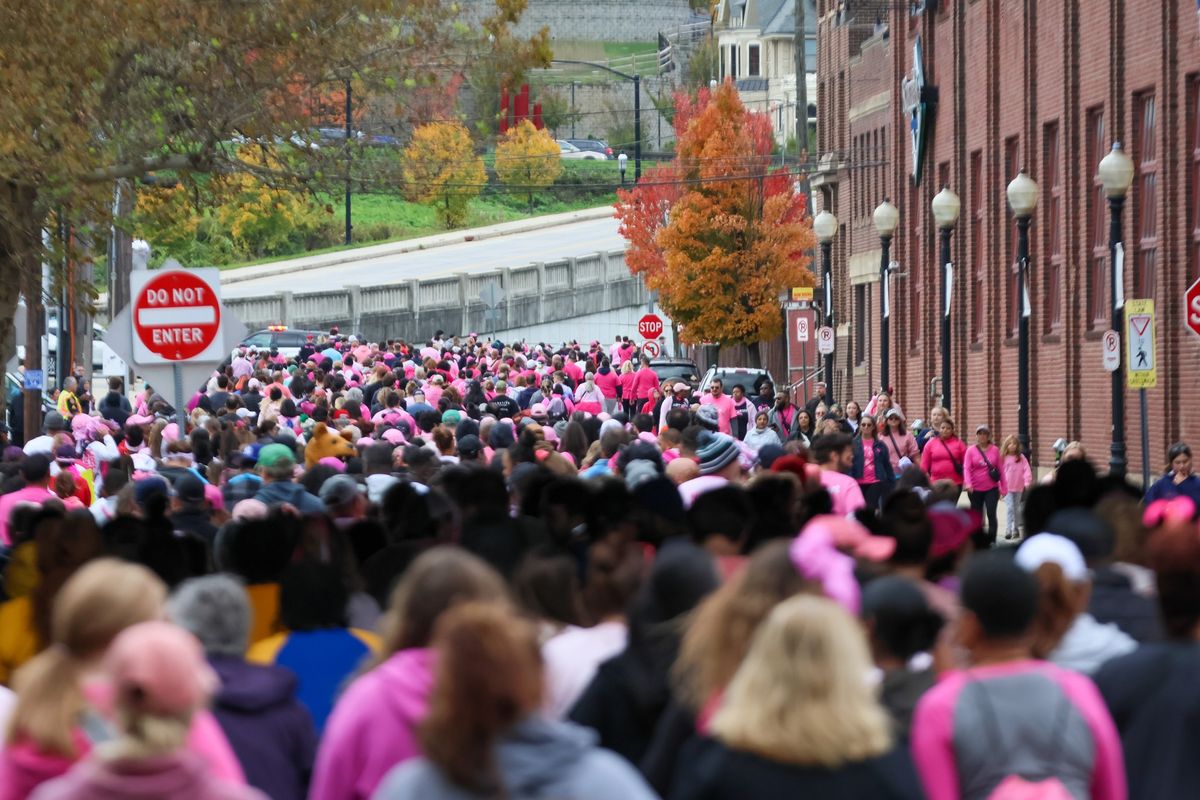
column 844, row 491
column 607, row 381
column 725, row 410
column 1017, row 475
column 30, row 494
column 644, row 383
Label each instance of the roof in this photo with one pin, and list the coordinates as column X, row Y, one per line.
column 751, row 84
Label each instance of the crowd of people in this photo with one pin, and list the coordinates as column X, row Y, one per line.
column 466, row 568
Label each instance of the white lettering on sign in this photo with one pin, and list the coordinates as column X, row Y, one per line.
column 1194, row 316
column 176, row 335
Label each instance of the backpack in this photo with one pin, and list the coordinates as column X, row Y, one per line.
column 1015, row 786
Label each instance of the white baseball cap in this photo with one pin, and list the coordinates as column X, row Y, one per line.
column 1050, row 548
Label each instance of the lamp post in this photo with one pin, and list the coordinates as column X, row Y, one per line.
column 1022, row 199
column 886, row 217
column 1116, row 174
column 945, row 212
column 825, row 227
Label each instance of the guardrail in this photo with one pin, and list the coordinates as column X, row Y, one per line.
column 534, row 294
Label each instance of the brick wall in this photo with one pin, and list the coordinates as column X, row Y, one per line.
column 1023, row 84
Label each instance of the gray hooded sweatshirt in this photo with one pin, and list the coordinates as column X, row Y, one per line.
column 538, row 760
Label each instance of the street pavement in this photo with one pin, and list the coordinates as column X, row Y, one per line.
column 445, row 254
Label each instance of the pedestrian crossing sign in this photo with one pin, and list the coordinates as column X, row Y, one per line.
column 1141, row 369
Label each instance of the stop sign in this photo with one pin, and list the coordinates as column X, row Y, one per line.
column 1191, row 307
column 176, row 316
column 650, row 326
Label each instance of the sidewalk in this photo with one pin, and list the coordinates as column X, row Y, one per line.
column 411, row 245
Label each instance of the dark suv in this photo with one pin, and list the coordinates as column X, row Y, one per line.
column 677, row 369
column 594, row 145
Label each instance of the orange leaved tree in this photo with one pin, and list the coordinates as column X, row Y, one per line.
column 440, row 167
column 737, row 237
column 528, row 158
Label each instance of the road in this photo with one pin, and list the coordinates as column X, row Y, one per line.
column 513, row 250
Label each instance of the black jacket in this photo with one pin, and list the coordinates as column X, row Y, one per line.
column 115, row 406
column 1113, row 600
column 711, row 771
column 1154, row 699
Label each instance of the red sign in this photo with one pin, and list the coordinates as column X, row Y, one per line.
column 176, row 315
column 1191, row 307
column 650, row 326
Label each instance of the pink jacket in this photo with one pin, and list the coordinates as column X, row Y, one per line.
column 24, row 766
column 1017, row 475
column 183, row 776
column 373, row 727
column 975, row 469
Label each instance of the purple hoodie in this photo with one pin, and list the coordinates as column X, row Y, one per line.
column 269, row 730
column 373, row 727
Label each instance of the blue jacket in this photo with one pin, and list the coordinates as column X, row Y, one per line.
column 1165, row 488
column 883, row 462
column 287, row 492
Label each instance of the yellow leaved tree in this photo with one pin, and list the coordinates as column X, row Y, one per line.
column 441, row 168
column 528, row 158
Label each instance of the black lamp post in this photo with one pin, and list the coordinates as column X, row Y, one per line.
column 1116, row 174
column 945, row 212
column 1022, row 199
column 825, row 226
column 886, row 217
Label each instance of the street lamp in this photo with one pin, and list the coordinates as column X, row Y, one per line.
column 945, row 212
column 886, row 217
column 825, row 227
column 1022, row 199
column 1116, row 174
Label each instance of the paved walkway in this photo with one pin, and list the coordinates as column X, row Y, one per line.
column 376, row 251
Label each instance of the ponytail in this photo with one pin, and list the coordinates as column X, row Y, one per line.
column 49, row 700
column 1059, row 603
column 489, row 677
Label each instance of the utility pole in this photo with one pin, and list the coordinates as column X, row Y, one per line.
column 349, row 134
column 800, row 47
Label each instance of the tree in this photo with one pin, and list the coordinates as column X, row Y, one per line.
column 440, row 167
column 737, row 237
column 557, row 111
column 643, row 211
column 528, row 158
column 123, row 89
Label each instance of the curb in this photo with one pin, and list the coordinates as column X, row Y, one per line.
column 242, row 274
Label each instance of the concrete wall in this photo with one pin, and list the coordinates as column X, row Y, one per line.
column 599, row 20
column 590, row 296
column 601, row 106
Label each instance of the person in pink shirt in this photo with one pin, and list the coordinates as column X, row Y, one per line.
column 724, row 403
column 942, row 458
column 835, row 454
column 645, row 381
column 36, row 472
column 1017, row 478
column 1002, row 723
column 608, row 381
column 983, row 477
column 626, row 385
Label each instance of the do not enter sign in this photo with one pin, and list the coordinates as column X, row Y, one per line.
column 176, row 316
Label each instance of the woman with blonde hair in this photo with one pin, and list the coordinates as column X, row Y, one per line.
column 373, row 727
column 484, row 737
column 62, row 700
column 800, row 718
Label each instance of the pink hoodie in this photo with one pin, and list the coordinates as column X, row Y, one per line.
column 24, row 767
column 373, row 727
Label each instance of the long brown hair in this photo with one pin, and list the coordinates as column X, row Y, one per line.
column 64, row 544
column 723, row 626
column 100, row 600
column 437, row 580
column 1060, row 601
column 488, row 678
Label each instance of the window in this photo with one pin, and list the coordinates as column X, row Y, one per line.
column 1052, row 219
column 1145, row 196
column 733, row 61
column 977, row 257
column 1193, row 162
column 860, row 325
column 1012, row 155
column 1098, row 277
column 753, row 65
column 722, row 52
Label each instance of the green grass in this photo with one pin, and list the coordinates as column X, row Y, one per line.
column 626, row 49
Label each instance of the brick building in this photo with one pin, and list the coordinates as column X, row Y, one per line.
column 1045, row 85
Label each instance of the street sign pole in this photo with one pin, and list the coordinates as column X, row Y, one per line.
column 1145, row 440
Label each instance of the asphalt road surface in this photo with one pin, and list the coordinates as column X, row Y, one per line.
column 513, row 250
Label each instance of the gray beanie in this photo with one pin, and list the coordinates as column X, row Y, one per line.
column 715, row 451
column 216, row 611
column 708, row 417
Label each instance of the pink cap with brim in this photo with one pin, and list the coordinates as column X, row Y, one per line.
column 853, row 538
column 159, row 668
column 212, row 494
column 250, row 509
column 335, row 463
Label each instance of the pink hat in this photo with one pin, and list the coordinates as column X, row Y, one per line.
column 170, row 433
column 816, row 558
column 331, row 461
column 680, row 387
column 212, row 494
column 249, row 509
column 159, row 668
column 138, row 419
column 853, row 538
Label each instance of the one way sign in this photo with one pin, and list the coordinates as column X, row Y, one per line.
column 1141, row 359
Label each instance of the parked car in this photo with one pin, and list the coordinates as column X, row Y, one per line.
column 287, row 341
column 593, row 145
column 50, row 342
column 568, row 150
column 731, row 376
column 14, row 385
column 678, row 369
